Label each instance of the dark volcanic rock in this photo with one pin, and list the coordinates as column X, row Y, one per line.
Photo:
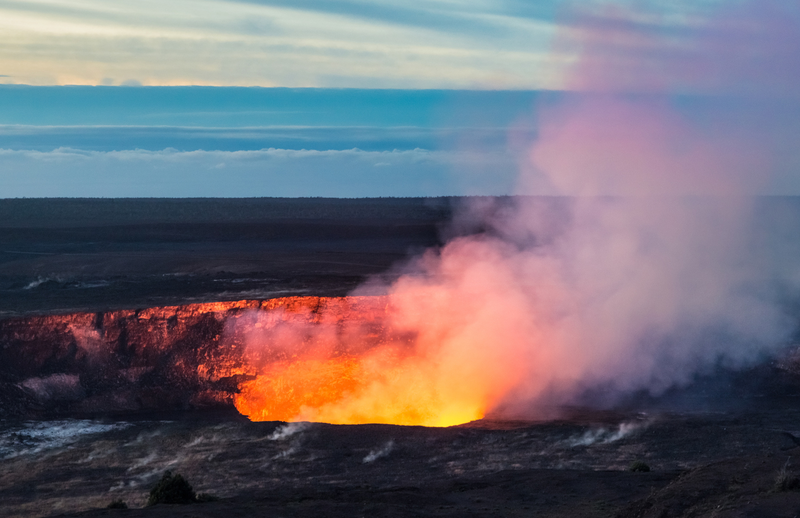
column 68, row 255
column 702, row 465
column 157, row 359
column 115, row 361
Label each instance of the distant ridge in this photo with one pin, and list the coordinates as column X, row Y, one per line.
column 66, row 212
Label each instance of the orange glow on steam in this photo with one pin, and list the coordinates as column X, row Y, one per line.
column 344, row 361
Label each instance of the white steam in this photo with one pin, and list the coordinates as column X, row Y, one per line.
column 381, row 452
column 653, row 267
column 647, row 273
column 604, row 435
column 288, row 430
column 35, row 437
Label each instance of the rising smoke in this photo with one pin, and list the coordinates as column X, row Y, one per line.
column 655, row 277
column 645, row 272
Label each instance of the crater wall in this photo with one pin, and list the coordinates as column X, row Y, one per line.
column 155, row 359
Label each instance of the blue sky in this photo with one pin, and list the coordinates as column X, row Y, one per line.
column 358, row 98
column 232, row 107
column 233, row 141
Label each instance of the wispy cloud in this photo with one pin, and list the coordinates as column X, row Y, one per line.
column 462, row 17
column 267, row 172
column 112, row 138
column 306, row 43
column 326, row 43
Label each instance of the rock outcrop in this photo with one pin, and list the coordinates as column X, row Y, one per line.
column 155, row 359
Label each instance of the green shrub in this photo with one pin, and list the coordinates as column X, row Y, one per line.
column 638, row 466
column 172, row 489
column 205, row 497
column 117, row 504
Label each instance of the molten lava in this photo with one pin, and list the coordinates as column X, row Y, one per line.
column 350, row 390
column 342, row 361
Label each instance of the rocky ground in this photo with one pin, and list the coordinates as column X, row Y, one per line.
column 727, row 445
column 700, row 464
column 69, row 255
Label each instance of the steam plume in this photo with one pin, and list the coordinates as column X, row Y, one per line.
column 643, row 275
column 654, row 278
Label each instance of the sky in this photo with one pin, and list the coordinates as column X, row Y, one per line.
column 659, row 118
column 352, row 98
column 304, row 43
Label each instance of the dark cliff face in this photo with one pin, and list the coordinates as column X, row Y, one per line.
column 157, row 359
column 116, row 361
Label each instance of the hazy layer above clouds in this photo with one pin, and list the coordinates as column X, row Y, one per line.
column 275, row 43
column 481, row 44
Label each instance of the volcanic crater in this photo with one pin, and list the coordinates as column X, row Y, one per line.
column 98, row 401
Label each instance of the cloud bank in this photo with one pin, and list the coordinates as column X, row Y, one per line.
column 268, row 172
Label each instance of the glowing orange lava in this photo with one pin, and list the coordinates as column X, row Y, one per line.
column 350, row 391
column 341, row 361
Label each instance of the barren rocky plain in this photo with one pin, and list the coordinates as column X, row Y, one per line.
column 112, row 372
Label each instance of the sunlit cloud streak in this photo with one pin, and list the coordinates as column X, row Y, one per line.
column 218, row 42
column 352, row 43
